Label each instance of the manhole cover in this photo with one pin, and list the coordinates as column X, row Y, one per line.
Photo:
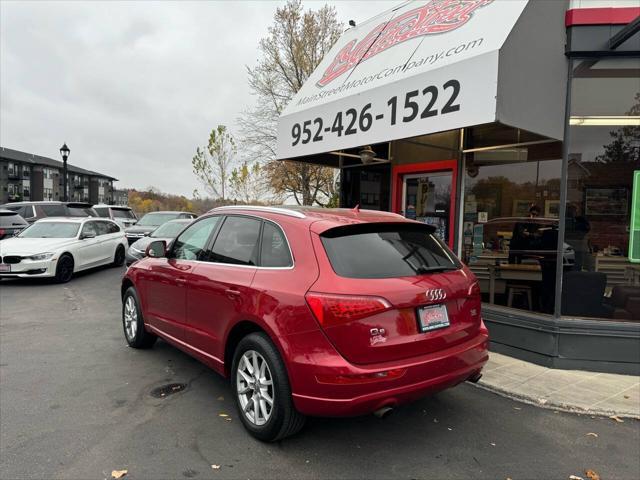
column 169, row 389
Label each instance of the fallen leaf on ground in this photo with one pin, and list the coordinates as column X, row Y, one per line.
column 118, row 473
column 493, row 444
column 542, row 401
column 591, row 434
column 626, row 396
column 221, row 398
column 449, row 428
column 223, row 415
column 575, row 477
column 517, row 408
column 228, row 419
column 616, row 418
column 592, row 475
column 435, row 420
column 215, row 467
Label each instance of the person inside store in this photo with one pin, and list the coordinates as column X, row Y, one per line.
column 576, row 234
column 525, row 236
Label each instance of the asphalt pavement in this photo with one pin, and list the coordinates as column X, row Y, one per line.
column 76, row 403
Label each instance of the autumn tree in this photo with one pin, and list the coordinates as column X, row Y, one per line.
column 212, row 164
column 296, row 43
column 249, row 185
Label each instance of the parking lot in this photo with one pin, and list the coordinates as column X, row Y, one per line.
column 75, row 402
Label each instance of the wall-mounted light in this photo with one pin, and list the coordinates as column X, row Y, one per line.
column 604, row 120
column 367, row 155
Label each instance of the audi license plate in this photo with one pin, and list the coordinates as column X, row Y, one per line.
column 4, row 268
column 433, row 317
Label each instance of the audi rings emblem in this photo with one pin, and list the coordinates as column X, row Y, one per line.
column 436, row 294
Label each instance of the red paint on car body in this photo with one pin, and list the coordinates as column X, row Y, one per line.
column 347, row 367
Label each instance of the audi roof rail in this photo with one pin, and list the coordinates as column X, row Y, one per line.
column 282, row 210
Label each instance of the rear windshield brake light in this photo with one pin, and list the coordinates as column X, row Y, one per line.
column 331, row 310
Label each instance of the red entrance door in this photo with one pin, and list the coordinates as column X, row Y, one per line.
column 426, row 192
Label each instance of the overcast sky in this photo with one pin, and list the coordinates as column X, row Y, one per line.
column 132, row 87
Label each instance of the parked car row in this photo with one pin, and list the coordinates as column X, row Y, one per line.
column 65, row 245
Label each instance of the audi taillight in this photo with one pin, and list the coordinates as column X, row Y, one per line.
column 331, row 310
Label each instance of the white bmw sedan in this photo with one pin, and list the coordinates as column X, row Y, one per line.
column 59, row 247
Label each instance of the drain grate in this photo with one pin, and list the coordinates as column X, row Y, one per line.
column 168, row 389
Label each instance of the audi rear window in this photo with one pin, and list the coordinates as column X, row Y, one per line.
column 379, row 250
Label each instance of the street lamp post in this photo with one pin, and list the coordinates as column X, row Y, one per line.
column 64, row 151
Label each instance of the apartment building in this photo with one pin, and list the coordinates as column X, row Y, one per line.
column 25, row 176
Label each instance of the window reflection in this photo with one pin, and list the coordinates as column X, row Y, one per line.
column 604, row 154
column 511, row 219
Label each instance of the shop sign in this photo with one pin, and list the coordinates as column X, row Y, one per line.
column 424, row 67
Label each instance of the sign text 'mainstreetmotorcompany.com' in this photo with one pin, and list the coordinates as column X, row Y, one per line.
column 389, row 71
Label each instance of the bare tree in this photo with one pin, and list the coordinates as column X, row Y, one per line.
column 296, row 44
column 212, row 164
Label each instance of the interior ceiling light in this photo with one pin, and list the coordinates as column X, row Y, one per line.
column 595, row 120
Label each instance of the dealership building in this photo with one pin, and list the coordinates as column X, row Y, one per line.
column 512, row 127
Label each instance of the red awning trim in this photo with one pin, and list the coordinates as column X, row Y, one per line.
column 601, row 16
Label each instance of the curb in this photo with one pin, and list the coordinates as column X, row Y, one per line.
column 549, row 404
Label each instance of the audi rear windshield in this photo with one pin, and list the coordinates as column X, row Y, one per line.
column 380, row 250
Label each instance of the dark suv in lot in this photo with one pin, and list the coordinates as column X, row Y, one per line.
column 326, row 312
column 11, row 223
column 32, row 211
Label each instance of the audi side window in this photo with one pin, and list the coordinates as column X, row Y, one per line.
column 274, row 251
column 237, row 242
column 191, row 243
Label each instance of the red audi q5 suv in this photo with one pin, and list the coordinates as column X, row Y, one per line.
column 327, row 312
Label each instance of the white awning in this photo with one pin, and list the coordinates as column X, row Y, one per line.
column 423, row 67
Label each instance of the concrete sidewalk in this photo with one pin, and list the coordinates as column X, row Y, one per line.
column 567, row 390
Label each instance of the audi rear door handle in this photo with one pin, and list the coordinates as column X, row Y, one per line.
column 232, row 293
column 181, row 280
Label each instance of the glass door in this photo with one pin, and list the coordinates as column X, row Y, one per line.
column 426, row 197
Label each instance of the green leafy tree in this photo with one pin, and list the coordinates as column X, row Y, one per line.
column 212, row 164
column 296, row 43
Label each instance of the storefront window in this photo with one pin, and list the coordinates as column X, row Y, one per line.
column 510, row 221
column 604, row 145
column 367, row 186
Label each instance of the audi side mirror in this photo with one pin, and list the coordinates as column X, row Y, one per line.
column 156, row 249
